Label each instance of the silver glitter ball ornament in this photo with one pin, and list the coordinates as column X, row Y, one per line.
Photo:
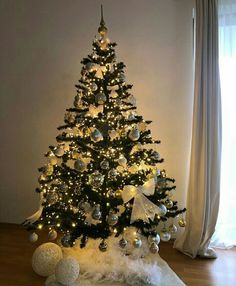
column 113, row 173
column 66, row 240
column 96, row 214
column 173, row 228
column 80, row 165
column 162, row 209
column 169, row 203
column 137, row 242
column 100, row 98
column 59, row 152
column 96, row 179
column 96, row 135
column 90, row 67
column 123, row 243
column 155, row 155
column 154, row 238
column 112, row 219
column 93, row 86
column 165, row 235
column 121, row 77
column 104, row 165
column 154, row 248
column 52, row 198
column 52, row 235
column 134, row 134
column 33, row 237
column 103, row 246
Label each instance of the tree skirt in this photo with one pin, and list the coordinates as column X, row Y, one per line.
column 115, row 268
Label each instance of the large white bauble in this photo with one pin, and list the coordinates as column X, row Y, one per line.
column 67, row 271
column 45, row 258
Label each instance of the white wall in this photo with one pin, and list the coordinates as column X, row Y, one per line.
column 42, row 43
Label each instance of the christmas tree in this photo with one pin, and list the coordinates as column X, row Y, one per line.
column 104, row 176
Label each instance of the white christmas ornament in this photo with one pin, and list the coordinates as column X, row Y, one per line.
column 67, row 271
column 59, row 152
column 33, row 237
column 52, row 234
column 45, row 258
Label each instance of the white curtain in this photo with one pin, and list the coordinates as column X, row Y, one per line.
column 204, row 182
column 225, row 235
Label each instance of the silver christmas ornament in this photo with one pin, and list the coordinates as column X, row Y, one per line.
column 123, row 243
column 162, row 209
column 100, row 98
column 112, row 218
column 93, row 86
column 90, row 67
column 96, row 179
column 173, row 228
column 104, row 165
column 165, row 235
column 154, row 248
column 96, row 214
column 121, row 77
column 113, row 173
column 52, row 235
column 155, row 155
column 59, row 152
column 137, row 242
column 66, row 240
column 96, row 135
column 63, row 187
column 80, row 165
column 134, row 134
column 154, row 238
column 103, row 246
column 131, row 116
column 52, row 198
column 33, row 237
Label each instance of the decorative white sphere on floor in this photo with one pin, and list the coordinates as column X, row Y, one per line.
column 67, row 271
column 45, row 258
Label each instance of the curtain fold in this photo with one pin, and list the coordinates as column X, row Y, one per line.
column 204, row 180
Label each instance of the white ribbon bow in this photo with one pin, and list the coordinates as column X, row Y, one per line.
column 95, row 110
column 143, row 208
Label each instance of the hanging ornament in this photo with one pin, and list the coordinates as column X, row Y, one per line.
column 121, row 77
column 112, row 218
column 169, row 203
column 33, row 237
column 90, row 67
column 80, row 165
column 96, row 214
column 131, row 116
column 52, row 160
column 173, row 228
column 48, row 170
column 162, row 209
column 52, row 235
column 122, row 161
column 154, row 238
column 104, row 165
column 134, row 134
column 96, row 179
column 63, row 187
column 96, row 135
column 165, row 235
column 123, row 243
column 137, row 242
column 113, row 134
column 66, row 240
column 113, row 173
column 93, row 86
column 155, row 155
column 100, row 98
column 52, row 198
column 59, row 152
column 154, row 248
column 103, row 246
column 182, row 222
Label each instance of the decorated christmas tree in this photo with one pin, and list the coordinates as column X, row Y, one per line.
column 104, row 176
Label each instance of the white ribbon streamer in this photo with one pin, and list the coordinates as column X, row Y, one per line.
column 143, row 208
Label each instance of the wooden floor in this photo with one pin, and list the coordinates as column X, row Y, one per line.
column 16, row 252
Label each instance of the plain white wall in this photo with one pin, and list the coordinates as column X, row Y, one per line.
column 41, row 46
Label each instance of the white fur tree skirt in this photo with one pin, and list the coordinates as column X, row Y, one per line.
column 114, row 268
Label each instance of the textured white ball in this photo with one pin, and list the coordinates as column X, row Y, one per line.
column 67, row 271
column 45, row 258
column 33, row 237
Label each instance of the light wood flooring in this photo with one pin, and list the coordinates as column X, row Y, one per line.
column 16, row 252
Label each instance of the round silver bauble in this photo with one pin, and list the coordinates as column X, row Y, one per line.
column 113, row 173
column 162, row 209
column 123, row 243
column 59, row 152
column 100, row 98
column 90, row 67
column 66, row 240
column 112, row 219
column 154, row 248
column 52, row 235
column 33, row 237
column 96, row 135
column 96, row 214
column 173, row 228
column 93, row 86
column 137, row 242
column 104, row 165
column 96, row 179
column 103, row 246
column 154, row 238
column 134, row 134
column 169, row 203
column 80, row 165
column 52, row 198
column 165, row 235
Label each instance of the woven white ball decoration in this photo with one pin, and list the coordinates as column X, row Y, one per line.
column 45, row 258
column 67, row 271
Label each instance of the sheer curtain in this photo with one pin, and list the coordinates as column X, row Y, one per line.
column 225, row 235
